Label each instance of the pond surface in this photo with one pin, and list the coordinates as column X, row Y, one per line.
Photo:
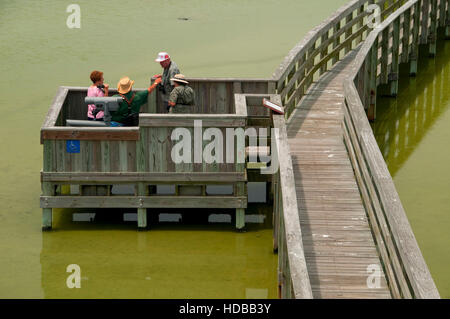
column 39, row 53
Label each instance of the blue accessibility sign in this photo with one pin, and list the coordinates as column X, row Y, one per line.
column 73, row 146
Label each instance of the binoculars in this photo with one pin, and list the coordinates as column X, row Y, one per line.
column 105, row 104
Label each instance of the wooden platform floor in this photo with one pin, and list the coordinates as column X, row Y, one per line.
column 337, row 239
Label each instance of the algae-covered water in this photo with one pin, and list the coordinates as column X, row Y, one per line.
column 413, row 132
column 38, row 53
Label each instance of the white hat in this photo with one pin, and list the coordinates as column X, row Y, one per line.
column 162, row 56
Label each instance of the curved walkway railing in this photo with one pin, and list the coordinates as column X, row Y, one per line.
column 293, row 278
column 405, row 25
column 406, row 270
column 324, row 46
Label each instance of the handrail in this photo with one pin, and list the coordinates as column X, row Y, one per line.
column 312, row 36
column 413, row 279
column 55, row 108
column 311, row 56
column 298, row 285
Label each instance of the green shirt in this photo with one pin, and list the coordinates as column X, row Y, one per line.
column 166, row 76
column 182, row 94
column 139, row 99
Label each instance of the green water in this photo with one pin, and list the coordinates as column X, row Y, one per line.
column 38, row 53
column 413, row 132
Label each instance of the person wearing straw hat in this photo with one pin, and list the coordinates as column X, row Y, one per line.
column 128, row 111
column 170, row 69
column 182, row 97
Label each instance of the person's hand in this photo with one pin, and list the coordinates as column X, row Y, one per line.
column 156, row 76
column 157, row 81
column 106, row 85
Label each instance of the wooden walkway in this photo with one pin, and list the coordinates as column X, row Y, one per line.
column 337, row 237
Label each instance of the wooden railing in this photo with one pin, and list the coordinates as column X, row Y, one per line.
column 323, row 46
column 293, row 278
column 397, row 42
column 215, row 95
column 406, row 271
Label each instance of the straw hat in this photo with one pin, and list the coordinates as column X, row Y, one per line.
column 179, row 78
column 124, row 85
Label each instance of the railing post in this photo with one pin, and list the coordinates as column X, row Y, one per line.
column 336, row 42
column 406, row 35
column 371, row 110
column 384, row 75
column 433, row 29
column 348, row 33
column 151, row 100
column 414, row 53
column 424, row 23
column 359, row 25
column 48, row 188
column 447, row 20
column 271, row 87
column 240, row 190
column 393, row 75
column 324, row 52
column 142, row 212
column 142, row 190
column 309, row 64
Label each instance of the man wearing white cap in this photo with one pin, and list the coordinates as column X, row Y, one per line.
column 170, row 70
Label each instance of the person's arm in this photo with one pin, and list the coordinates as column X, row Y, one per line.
column 173, row 98
column 106, row 89
column 154, row 85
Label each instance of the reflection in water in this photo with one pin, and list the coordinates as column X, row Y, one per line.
column 402, row 123
column 193, row 259
column 413, row 133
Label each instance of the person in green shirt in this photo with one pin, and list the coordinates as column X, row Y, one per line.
column 128, row 111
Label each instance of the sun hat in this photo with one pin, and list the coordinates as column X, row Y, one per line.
column 124, row 85
column 179, row 78
column 162, row 56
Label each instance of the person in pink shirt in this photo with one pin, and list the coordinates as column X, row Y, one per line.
column 97, row 89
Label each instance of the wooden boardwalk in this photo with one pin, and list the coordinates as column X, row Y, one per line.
column 337, row 238
column 337, row 214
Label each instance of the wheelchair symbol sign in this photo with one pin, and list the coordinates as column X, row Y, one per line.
column 73, row 146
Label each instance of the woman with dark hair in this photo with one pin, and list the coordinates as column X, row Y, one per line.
column 97, row 89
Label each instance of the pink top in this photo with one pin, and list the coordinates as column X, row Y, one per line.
column 94, row 91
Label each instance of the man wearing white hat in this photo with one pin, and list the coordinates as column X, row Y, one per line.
column 170, row 70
